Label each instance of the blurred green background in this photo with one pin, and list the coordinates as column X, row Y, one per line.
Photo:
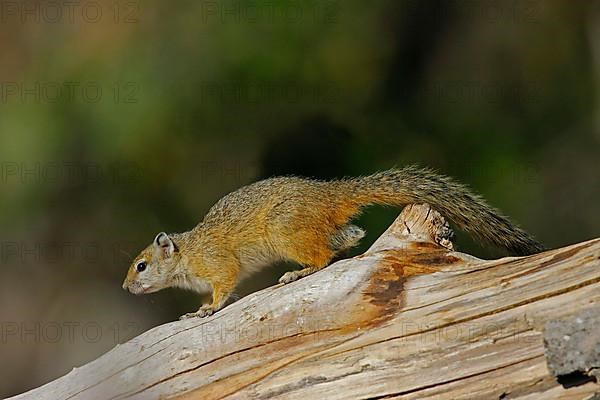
column 122, row 119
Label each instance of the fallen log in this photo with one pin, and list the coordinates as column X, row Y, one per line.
column 411, row 318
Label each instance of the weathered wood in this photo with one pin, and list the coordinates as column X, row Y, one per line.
column 410, row 319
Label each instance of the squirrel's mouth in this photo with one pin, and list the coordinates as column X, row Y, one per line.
column 149, row 289
column 137, row 288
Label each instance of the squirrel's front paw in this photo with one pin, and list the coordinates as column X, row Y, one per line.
column 204, row 311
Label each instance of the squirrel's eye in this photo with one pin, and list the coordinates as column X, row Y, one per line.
column 141, row 266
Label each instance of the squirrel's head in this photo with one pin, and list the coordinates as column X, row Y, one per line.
column 155, row 267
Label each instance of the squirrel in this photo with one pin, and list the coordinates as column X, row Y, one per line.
column 306, row 221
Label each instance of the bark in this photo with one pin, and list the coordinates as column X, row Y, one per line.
column 411, row 318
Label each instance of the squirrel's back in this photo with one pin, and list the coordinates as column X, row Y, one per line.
column 293, row 207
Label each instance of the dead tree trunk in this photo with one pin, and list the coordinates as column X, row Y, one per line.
column 410, row 319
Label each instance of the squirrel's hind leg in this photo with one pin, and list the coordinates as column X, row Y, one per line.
column 292, row 276
column 345, row 238
column 315, row 256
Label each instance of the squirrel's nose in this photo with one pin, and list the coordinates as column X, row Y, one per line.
column 125, row 285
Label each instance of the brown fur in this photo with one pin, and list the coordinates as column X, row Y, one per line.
column 306, row 221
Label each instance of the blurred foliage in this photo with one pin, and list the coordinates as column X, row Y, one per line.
column 197, row 101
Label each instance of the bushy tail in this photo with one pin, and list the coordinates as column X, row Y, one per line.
column 453, row 200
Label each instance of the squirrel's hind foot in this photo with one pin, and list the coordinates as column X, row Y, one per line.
column 292, row 276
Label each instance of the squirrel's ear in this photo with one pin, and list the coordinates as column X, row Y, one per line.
column 165, row 245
